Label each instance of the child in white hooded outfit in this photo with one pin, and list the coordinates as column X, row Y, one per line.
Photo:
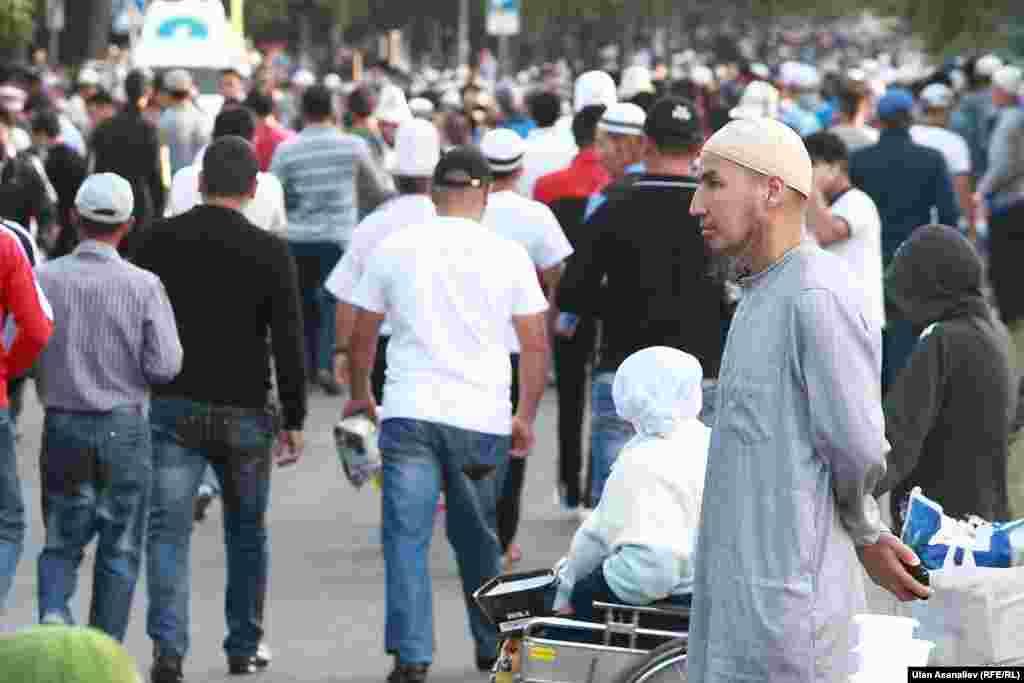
column 637, row 546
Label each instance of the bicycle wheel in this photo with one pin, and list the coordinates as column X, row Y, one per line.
column 666, row 664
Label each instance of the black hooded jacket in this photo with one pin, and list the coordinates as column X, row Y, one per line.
column 950, row 411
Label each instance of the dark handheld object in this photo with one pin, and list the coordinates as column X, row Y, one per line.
column 510, row 601
column 920, row 574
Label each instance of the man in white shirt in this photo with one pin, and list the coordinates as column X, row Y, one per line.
column 266, row 210
column 417, row 151
column 937, row 103
column 845, row 220
column 450, row 288
column 534, row 226
column 548, row 149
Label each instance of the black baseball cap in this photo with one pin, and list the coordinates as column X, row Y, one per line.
column 674, row 121
column 463, row 166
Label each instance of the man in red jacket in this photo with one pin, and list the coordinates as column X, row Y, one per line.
column 19, row 298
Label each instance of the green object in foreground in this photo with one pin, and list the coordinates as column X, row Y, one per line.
column 64, row 654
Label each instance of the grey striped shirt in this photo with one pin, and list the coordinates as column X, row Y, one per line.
column 320, row 170
column 114, row 332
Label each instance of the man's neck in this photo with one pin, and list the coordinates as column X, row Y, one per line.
column 109, row 240
column 777, row 242
column 504, row 185
column 326, row 123
column 842, row 185
column 235, row 203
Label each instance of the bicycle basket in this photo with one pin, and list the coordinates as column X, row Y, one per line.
column 510, row 601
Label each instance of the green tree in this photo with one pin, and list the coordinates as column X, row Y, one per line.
column 17, row 21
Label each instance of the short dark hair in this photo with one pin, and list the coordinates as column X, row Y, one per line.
column 137, row 83
column 827, row 147
column 584, row 125
column 261, row 105
column 93, row 228
column 231, row 71
column 361, row 101
column 102, row 97
column 237, row 121
column 317, row 103
column 411, row 184
column 545, row 108
column 229, row 167
column 47, row 123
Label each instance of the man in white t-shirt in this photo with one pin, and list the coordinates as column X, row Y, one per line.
column 534, row 226
column 937, row 104
column 266, row 210
column 845, row 220
column 548, row 149
column 417, row 150
column 450, row 288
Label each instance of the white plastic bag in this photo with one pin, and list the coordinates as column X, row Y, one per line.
column 975, row 615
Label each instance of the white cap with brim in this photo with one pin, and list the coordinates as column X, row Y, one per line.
column 635, row 80
column 392, row 107
column 936, row 96
column 503, row 148
column 594, row 88
column 105, row 198
column 421, row 106
column 1008, row 79
column 88, row 76
column 987, row 66
column 766, row 146
column 417, row 149
column 623, row 118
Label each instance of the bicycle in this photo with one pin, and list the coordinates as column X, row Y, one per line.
column 539, row 647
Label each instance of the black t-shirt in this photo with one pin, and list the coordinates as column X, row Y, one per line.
column 659, row 291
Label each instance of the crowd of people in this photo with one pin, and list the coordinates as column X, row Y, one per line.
column 793, row 266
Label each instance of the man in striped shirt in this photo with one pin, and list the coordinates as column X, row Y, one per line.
column 116, row 335
column 19, row 297
column 320, row 170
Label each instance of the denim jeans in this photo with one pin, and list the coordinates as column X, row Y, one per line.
column 417, row 457
column 314, row 261
column 12, row 508
column 239, row 452
column 608, row 433
column 96, row 471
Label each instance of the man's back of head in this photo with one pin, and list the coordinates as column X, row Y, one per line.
column 317, row 104
column 260, row 103
column 237, row 121
column 545, row 108
column 229, row 169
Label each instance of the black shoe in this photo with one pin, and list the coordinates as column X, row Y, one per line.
column 485, row 664
column 252, row 664
column 166, row 669
column 203, row 501
column 408, row 673
column 325, row 378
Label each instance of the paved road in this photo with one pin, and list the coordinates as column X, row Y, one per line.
column 326, row 603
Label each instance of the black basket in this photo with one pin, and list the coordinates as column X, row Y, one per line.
column 509, row 606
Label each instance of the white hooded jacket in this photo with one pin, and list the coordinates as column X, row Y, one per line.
column 644, row 530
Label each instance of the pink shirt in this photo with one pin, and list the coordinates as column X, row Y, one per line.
column 266, row 140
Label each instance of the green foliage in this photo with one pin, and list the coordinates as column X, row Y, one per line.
column 17, row 19
column 259, row 14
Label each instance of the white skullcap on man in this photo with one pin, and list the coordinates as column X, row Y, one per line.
column 759, row 99
column 392, row 106
column 987, row 66
column 937, row 96
column 594, row 88
column 623, row 118
column 503, row 149
column 421, row 107
column 417, row 149
column 766, row 146
column 635, row 80
column 1009, row 80
column 657, row 388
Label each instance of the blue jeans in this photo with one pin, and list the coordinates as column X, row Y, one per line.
column 417, row 457
column 96, row 471
column 314, row 262
column 12, row 508
column 608, row 433
column 237, row 442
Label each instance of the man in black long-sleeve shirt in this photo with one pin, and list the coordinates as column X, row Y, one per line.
column 229, row 283
column 129, row 146
column 659, row 290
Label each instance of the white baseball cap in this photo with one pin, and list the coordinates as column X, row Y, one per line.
column 333, row 82
column 937, row 96
column 623, row 118
column 987, row 66
column 702, row 75
column 760, row 99
column 503, row 149
column 417, row 149
column 635, row 80
column 178, row 81
column 303, row 78
column 105, row 198
column 594, row 88
column 88, row 76
column 1008, row 79
column 421, row 107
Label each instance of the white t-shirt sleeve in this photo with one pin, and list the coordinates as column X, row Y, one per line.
column 278, row 221
column 342, row 281
column 959, row 156
column 184, row 192
column 553, row 246
column 527, row 297
column 371, row 292
column 858, row 210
